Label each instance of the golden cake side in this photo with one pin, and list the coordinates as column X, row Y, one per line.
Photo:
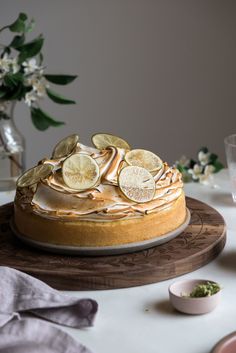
column 98, row 233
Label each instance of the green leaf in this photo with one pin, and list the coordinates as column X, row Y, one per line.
column 213, row 158
column 6, row 50
column 218, row 166
column 42, row 121
column 16, row 93
column 181, row 168
column 23, row 16
column 17, row 41
column 12, row 80
column 30, row 26
column 57, row 98
column 203, row 149
column 19, row 24
column 192, row 162
column 60, row 79
column 30, row 49
column 2, row 93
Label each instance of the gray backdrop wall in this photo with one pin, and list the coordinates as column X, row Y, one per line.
column 160, row 73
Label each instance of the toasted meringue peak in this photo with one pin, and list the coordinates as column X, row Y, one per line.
column 105, row 201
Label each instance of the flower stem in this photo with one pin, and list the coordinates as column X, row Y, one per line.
column 2, row 29
column 11, row 157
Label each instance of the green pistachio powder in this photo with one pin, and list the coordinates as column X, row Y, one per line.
column 203, row 290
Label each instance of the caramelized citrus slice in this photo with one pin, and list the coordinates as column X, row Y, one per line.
column 137, row 184
column 102, row 141
column 80, row 171
column 34, row 175
column 65, row 146
column 144, row 158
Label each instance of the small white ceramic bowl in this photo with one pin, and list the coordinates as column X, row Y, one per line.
column 195, row 306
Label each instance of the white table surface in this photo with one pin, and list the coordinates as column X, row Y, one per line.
column 141, row 320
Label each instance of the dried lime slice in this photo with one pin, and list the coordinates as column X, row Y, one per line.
column 34, row 175
column 137, row 184
column 65, row 146
column 102, row 141
column 144, row 158
column 80, row 171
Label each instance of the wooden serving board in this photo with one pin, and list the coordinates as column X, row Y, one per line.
column 199, row 244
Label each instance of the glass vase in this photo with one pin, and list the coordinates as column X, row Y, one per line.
column 12, row 148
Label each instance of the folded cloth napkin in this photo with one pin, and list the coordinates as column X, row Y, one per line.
column 36, row 336
column 21, row 293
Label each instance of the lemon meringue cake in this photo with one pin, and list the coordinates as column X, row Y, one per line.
column 98, row 196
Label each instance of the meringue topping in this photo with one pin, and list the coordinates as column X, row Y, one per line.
column 105, row 201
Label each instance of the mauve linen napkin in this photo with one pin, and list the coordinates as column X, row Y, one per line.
column 21, row 293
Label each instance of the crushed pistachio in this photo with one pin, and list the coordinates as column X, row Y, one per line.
column 204, row 290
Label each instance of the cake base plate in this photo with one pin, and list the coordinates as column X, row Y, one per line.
column 103, row 250
column 198, row 244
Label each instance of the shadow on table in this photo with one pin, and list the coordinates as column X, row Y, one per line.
column 164, row 307
column 228, row 260
column 222, row 199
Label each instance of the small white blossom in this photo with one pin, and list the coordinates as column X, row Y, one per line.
column 29, row 80
column 15, row 66
column 39, row 86
column 206, row 178
column 209, row 169
column 30, row 66
column 4, row 63
column 38, row 83
column 196, row 171
column 183, row 161
column 8, row 65
column 30, row 97
column 204, row 158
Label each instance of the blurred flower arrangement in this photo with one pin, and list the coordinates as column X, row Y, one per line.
column 23, row 77
column 199, row 170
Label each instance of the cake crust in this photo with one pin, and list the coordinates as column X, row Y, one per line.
column 96, row 234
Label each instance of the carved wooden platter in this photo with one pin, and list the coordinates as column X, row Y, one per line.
column 197, row 245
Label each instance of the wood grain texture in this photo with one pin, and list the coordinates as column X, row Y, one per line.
column 199, row 244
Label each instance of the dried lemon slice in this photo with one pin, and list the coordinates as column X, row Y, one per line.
column 80, row 171
column 101, row 141
column 34, row 175
column 65, row 146
column 137, row 184
column 144, row 158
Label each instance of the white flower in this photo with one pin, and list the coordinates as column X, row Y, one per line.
column 204, row 158
column 207, row 176
column 183, row 161
column 31, row 66
column 8, row 65
column 196, row 171
column 29, row 81
column 39, row 86
column 14, row 65
column 209, row 170
column 30, row 97
column 38, row 83
column 4, row 65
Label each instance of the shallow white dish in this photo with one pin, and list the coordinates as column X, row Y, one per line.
column 194, row 306
column 105, row 250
